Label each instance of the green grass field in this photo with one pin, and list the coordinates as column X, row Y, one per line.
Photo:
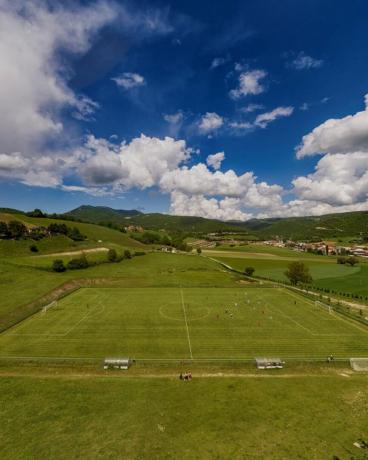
column 96, row 236
column 272, row 263
column 162, row 310
column 183, row 323
column 22, row 281
column 61, row 417
column 275, row 269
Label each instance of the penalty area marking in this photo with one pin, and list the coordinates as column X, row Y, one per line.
column 338, row 317
column 91, row 313
column 186, row 322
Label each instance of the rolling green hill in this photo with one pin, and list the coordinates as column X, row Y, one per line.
column 154, row 221
column 99, row 214
column 330, row 226
column 96, row 236
column 350, row 224
column 319, row 227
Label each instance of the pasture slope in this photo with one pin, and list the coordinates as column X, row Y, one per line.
column 97, row 236
column 61, row 416
column 272, row 262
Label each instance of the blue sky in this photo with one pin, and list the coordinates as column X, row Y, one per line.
column 230, row 110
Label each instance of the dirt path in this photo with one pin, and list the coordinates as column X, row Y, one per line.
column 344, row 373
column 72, row 253
column 244, row 254
column 259, row 255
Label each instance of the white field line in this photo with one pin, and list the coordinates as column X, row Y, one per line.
column 315, row 334
column 272, row 307
column 289, row 318
column 63, row 334
column 351, row 323
column 186, row 322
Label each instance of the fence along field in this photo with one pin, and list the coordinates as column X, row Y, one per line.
column 183, row 323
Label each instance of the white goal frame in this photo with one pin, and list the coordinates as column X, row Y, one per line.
column 327, row 307
column 48, row 306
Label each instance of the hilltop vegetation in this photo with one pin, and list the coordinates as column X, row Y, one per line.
column 101, row 214
column 153, row 221
column 62, row 238
column 349, row 225
column 331, row 226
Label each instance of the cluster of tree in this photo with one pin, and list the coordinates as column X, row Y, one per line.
column 62, row 229
column 351, row 260
column 249, row 271
column 298, row 272
column 150, row 237
column 82, row 262
column 12, row 230
column 113, row 226
column 38, row 213
column 17, row 230
column 317, row 251
column 341, row 293
column 175, row 240
column 73, row 264
column 113, row 256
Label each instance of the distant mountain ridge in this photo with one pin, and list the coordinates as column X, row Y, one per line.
column 97, row 214
column 309, row 227
column 338, row 225
column 102, row 214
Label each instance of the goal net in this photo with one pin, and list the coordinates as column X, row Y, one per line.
column 325, row 306
column 359, row 364
column 50, row 305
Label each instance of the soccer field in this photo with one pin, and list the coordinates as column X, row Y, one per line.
column 175, row 323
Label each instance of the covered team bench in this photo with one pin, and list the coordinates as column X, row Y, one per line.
column 269, row 363
column 117, row 363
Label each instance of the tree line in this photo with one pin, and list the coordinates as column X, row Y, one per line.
column 82, row 262
column 16, row 230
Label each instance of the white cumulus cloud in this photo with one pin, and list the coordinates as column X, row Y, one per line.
column 38, row 137
column 215, row 160
column 304, row 62
column 174, row 118
column 210, row 122
column 219, row 61
column 252, row 108
column 249, row 84
column 140, row 163
column 338, row 180
column 343, row 135
column 262, row 120
column 211, row 208
column 129, row 80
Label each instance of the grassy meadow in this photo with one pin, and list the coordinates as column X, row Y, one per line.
column 97, row 236
column 272, row 262
column 172, row 313
column 23, row 280
column 290, row 417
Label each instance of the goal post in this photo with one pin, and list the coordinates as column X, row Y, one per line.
column 323, row 305
column 47, row 307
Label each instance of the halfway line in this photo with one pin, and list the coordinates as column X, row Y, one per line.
column 186, row 322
